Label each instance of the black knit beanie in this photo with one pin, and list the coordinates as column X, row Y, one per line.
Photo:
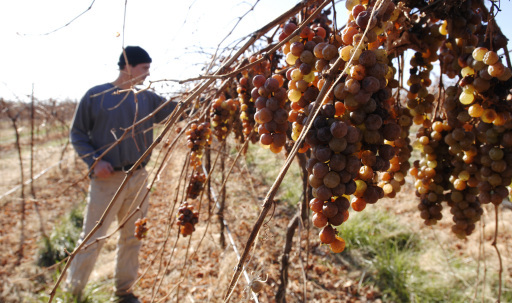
column 135, row 55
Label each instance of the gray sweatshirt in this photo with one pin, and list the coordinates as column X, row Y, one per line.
column 101, row 117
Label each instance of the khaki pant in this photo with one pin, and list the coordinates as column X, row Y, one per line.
column 101, row 192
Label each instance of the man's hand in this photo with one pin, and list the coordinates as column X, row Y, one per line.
column 103, row 169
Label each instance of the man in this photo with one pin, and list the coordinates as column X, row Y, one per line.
column 101, row 118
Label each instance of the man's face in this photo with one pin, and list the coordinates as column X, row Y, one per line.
column 139, row 72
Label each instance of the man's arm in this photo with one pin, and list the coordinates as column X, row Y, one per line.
column 162, row 114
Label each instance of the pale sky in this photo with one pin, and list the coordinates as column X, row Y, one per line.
column 67, row 62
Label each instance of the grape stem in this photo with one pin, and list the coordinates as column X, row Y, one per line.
column 507, row 57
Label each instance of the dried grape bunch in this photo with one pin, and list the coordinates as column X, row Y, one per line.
column 485, row 85
column 198, row 137
column 332, row 169
column 302, row 85
column 366, row 92
column 466, row 211
column 263, row 67
column 303, row 65
column 361, row 18
column 141, row 229
column 464, row 30
column 446, row 172
column 245, row 91
column 420, row 101
column 327, row 214
column 448, row 59
column 333, row 164
column 495, row 174
column 187, row 219
column 196, row 184
column 350, row 136
column 463, row 196
column 368, row 106
column 432, row 172
column 318, row 30
column 222, row 114
column 248, row 94
column 480, row 117
column 394, row 177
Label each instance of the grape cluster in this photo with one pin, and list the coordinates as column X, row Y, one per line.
column 354, row 135
column 448, row 54
column 332, row 169
column 466, row 211
column 302, row 88
column 141, row 229
column 360, row 18
column 393, row 179
column 222, row 114
column 484, row 99
column 247, row 108
column 306, row 54
column 465, row 30
column 187, row 219
column 447, row 172
column 478, row 117
column 262, row 68
column 196, row 184
column 327, row 214
column 198, row 136
column 463, row 197
column 430, row 172
column 484, row 83
column 358, row 145
column 271, row 114
column 420, row 100
column 369, row 104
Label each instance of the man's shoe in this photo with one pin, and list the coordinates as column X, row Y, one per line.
column 129, row 298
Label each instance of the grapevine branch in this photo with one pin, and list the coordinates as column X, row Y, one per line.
column 69, row 22
column 329, row 76
column 14, row 122
column 172, row 119
column 290, row 231
column 169, row 215
column 259, row 33
column 220, row 211
column 226, row 72
column 153, row 290
column 138, row 208
column 232, row 29
column 269, row 199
